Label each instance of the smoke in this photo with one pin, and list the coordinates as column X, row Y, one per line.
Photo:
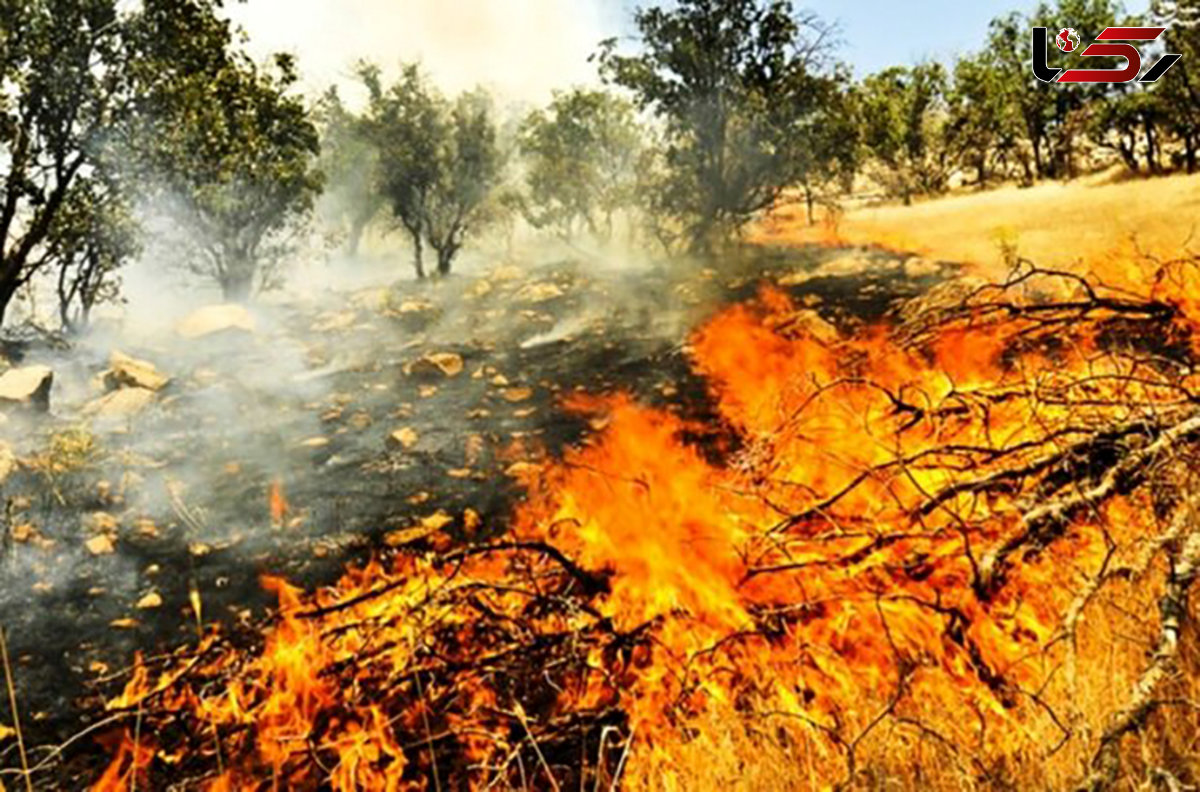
column 521, row 50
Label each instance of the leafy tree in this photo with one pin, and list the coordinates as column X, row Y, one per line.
column 903, row 127
column 350, row 164
column 832, row 154
column 438, row 161
column 1179, row 92
column 581, row 156
column 94, row 234
column 225, row 140
column 732, row 80
column 62, row 87
column 985, row 126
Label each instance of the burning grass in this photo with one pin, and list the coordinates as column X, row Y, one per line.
column 953, row 552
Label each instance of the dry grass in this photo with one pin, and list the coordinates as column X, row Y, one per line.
column 1093, row 224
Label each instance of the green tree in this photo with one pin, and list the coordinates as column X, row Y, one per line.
column 1179, row 91
column 731, row 80
column 226, row 140
column 63, row 86
column 350, row 163
column 438, row 161
column 832, row 154
column 94, row 235
column 985, row 128
column 581, row 155
column 904, row 118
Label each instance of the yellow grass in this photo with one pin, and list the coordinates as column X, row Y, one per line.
column 1087, row 224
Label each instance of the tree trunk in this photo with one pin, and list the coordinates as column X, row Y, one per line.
column 418, row 252
column 8, row 290
column 1189, row 152
column 1151, row 145
column 237, row 286
column 809, row 201
column 237, row 275
column 357, row 228
column 444, row 260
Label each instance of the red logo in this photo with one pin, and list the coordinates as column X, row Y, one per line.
column 1067, row 40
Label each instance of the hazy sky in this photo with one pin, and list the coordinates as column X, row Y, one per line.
column 524, row 48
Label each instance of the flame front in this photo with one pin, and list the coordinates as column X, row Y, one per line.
column 867, row 581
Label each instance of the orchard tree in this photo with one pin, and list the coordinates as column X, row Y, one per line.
column 984, row 128
column 581, row 158
column 904, row 128
column 63, row 87
column 731, row 80
column 350, row 164
column 94, row 235
column 438, row 161
column 225, row 141
column 832, row 154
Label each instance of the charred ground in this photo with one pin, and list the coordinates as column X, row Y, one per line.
column 272, row 452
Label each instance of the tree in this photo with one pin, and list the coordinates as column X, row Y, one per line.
column 438, row 161
column 984, row 126
column 832, row 153
column 62, row 87
column 350, row 164
column 903, row 127
column 225, row 141
column 94, row 233
column 731, row 80
column 1180, row 95
column 581, row 155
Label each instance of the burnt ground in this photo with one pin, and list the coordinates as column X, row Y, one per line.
column 179, row 492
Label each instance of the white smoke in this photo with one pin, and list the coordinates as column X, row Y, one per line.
column 520, row 49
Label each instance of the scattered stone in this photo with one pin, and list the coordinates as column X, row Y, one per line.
column 28, row 387
column 150, row 600
column 538, row 293
column 315, row 442
column 126, row 372
column 100, row 545
column 213, row 319
column 23, row 532
column 427, row 391
column 515, row 395
column 447, row 364
column 405, row 438
column 124, row 624
column 917, row 267
column 334, row 321
column 120, row 403
column 8, row 461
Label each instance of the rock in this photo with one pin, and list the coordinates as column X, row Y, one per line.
column 405, row 438
column 213, row 319
column 100, row 545
column 28, row 386
column 150, row 600
column 538, row 293
column 8, row 461
column 121, row 403
column 446, row 364
column 127, row 372
column 806, row 322
column 515, row 395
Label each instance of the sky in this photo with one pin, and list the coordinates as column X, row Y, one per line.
column 523, row 49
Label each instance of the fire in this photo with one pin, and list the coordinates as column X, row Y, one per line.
column 879, row 549
column 277, row 503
